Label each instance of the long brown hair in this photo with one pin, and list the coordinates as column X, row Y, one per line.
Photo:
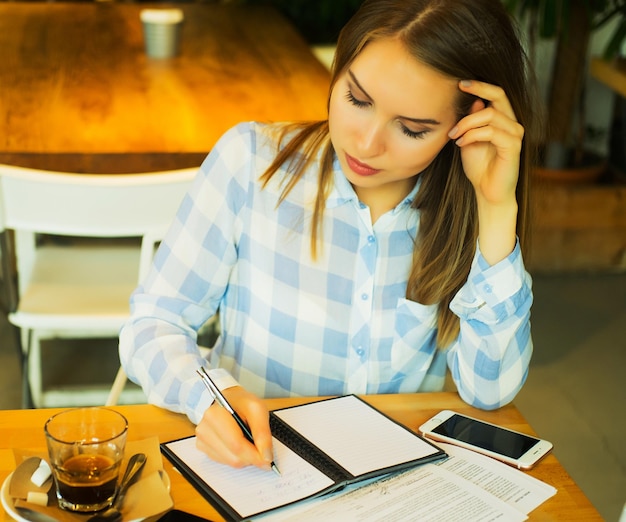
column 463, row 39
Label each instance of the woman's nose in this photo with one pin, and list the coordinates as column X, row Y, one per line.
column 370, row 141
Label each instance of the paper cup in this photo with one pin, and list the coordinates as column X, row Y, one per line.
column 161, row 31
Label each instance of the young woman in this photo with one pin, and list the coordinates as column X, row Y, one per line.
column 362, row 254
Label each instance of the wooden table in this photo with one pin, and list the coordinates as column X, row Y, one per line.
column 24, row 429
column 77, row 89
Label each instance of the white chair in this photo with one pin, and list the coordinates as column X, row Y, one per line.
column 79, row 287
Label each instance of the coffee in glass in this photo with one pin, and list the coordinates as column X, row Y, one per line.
column 86, row 448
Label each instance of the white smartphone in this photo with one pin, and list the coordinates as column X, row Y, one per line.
column 512, row 447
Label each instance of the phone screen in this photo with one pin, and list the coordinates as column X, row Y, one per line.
column 491, row 438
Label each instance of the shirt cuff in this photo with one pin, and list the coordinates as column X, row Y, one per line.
column 222, row 378
column 493, row 289
column 500, row 281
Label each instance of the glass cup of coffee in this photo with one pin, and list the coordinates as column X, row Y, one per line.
column 86, row 448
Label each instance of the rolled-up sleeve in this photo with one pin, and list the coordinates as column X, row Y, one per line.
column 490, row 358
column 190, row 273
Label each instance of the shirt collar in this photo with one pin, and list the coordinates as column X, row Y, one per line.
column 342, row 191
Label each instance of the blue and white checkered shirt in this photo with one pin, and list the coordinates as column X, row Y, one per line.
column 293, row 326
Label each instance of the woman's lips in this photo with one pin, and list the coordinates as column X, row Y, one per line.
column 360, row 168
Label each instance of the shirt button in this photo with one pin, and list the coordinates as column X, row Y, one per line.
column 364, row 297
column 360, row 352
column 361, row 204
column 371, row 239
column 488, row 288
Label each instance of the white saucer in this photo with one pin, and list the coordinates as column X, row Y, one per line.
column 7, row 501
column 9, row 507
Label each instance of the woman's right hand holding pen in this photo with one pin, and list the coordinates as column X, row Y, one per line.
column 221, row 438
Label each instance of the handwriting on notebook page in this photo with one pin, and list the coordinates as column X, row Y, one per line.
column 251, row 490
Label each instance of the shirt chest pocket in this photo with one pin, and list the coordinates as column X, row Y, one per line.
column 414, row 338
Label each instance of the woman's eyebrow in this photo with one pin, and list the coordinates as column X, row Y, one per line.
column 421, row 121
column 353, row 77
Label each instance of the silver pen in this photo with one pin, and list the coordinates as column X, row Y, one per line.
column 221, row 400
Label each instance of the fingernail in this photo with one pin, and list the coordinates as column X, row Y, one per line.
column 466, row 83
column 267, row 456
column 453, row 132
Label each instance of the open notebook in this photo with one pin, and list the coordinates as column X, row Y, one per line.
column 319, row 447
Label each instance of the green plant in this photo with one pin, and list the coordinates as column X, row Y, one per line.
column 571, row 23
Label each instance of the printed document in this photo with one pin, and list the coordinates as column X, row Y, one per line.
column 466, row 487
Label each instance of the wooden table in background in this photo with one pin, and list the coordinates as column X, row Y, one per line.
column 24, row 429
column 77, row 91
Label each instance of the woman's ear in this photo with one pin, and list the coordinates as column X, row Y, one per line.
column 478, row 105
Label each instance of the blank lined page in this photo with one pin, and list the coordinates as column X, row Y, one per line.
column 355, row 435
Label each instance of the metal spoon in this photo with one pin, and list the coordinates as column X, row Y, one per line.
column 113, row 514
column 34, row 516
